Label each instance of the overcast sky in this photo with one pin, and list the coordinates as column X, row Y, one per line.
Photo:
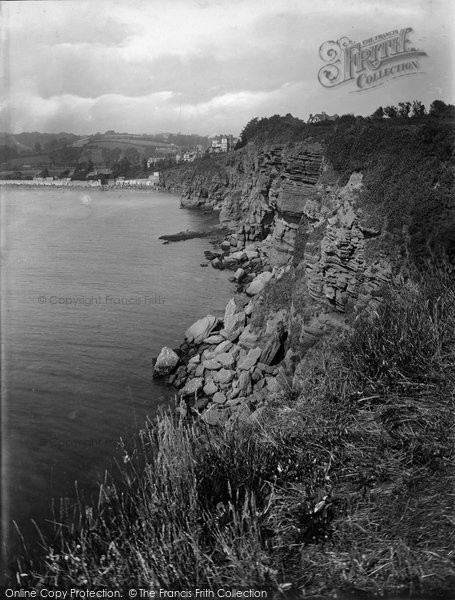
column 202, row 66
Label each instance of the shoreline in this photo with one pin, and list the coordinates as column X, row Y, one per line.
column 80, row 185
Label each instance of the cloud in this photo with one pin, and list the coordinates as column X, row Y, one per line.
column 198, row 65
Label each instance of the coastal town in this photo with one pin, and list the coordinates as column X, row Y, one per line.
column 102, row 160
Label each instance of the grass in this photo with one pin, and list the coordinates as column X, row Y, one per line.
column 346, row 483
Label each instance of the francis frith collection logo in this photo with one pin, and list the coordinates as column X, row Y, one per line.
column 371, row 62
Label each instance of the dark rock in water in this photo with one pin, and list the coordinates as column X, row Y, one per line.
column 186, row 235
column 165, row 363
column 204, row 265
column 209, row 255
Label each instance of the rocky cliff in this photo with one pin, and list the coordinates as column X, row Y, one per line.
column 325, row 243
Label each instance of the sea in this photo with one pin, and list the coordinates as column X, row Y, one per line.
column 89, row 297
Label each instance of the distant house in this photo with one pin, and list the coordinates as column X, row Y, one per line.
column 222, row 143
column 319, row 117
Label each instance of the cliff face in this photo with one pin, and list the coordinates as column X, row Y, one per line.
column 342, row 242
column 286, row 195
column 257, row 191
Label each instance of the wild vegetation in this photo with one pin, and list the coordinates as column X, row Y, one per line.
column 345, row 484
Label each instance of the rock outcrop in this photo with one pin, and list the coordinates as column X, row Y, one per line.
column 305, row 255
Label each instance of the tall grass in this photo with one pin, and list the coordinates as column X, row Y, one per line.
column 347, row 484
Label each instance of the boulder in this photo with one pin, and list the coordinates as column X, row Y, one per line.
column 247, row 338
column 199, row 370
column 200, row 329
column 265, row 368
column 250, row 360
column 226, row 359
column 272, row 385
column 210, row 388
column 223, row 347
column 256, row 375
column 223, row 376
column 226, row 245
column 219, row 398
column 214, row 339
column 272, row 349
column 235, row 325
column 196, row 359
column 165, row 363
column 211, row 365
column 239, row 274
column 258, row 283
column 192, row 386
column 191, row 368
column 244, row 383
column 238, row 256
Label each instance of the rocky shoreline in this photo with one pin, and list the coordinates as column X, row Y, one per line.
column 225, row 369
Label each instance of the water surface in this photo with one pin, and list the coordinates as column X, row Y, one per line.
column 89, row 297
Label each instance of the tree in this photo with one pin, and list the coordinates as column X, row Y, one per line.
column 391, row 111
column 122, row 168
column 37, row 148
column 132, row 155
column 404, row 108
column 439, row 108
column 378, row 113
column 44, row 173
column 418, row 109
column 248, row 132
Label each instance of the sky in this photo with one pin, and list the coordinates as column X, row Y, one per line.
column 203, row 66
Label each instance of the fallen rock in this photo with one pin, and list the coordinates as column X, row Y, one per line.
column 219, row 398
column 258, row 283
column 226, row 359
column 200, row 329
column 210, row 388
column 273, row 348
column 223, row 347
column 256, row 375
column 199, row 370
column 223, row 376
column 265, row 368
column 192, row 386
column 214, row 339
column 211, row 365
column 247, row 338
column 244, row 383
column 250, row 359
column 238, row 256
column 165, row 363
column 196, row 359
column 272, row 385
column 239, row 274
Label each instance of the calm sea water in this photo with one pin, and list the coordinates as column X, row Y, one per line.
column 89, row 297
